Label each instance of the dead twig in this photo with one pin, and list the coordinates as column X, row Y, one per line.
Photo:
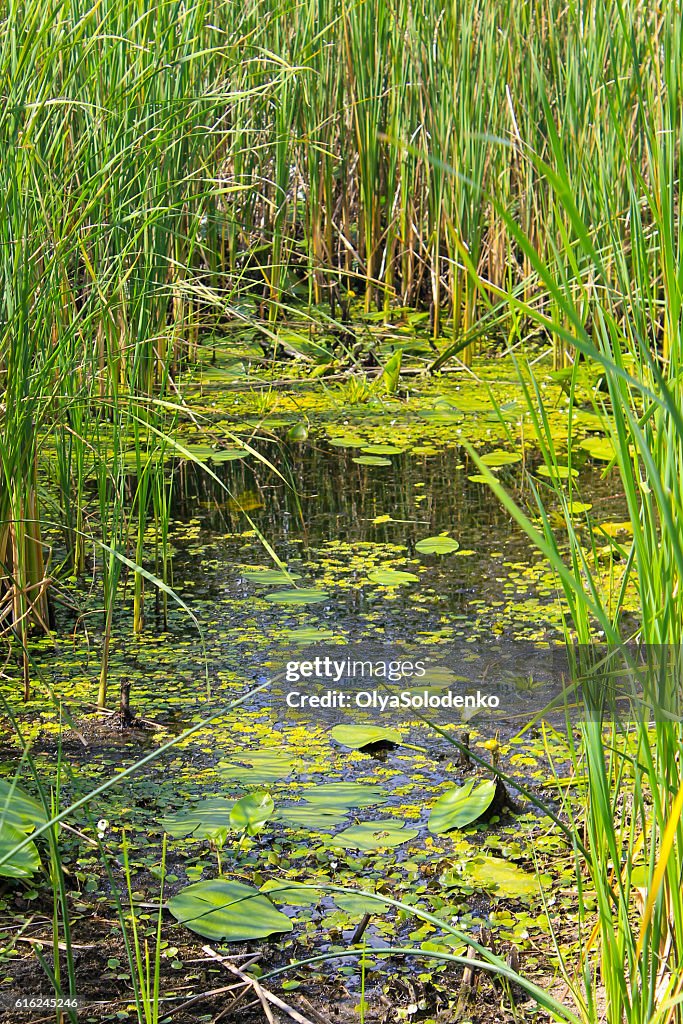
column 263, row 994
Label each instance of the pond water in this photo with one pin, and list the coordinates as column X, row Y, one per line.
column 338, row 525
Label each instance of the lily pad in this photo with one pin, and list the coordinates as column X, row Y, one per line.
column 270, row 577
column 309, row 815
column 372, row 835
column 499, row 457
column 260, row 766
column 20, row 863
column 358, row 904
column 200, row 820
column 437, row 545
column 392, row 577
column 346, row 794
column 372, row 460
column 251, row 813
column 501, row 877
column 19, row 809
column 309, row 595
column 382, row 449
column 358, row 736
column 557, row 472
column 309, row 635
column 292, row 894
column 220, row 909
column 461, row 806
column 599, row 448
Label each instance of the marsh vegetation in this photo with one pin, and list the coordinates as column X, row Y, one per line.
column 338, row 323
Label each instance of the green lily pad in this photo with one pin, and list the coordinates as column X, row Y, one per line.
column 251, row 813
column 304, row 596
column 372, row 835
column 599, row 448
column 260, row 767
column 500, row 876
column 270, row 577
column 392, row 577
column 372, row 460
column 347, row 794
column 19, row 809
column 382, row 449
column 227, row 455
column 347, row 442
column 358, row 736
column 309, row 635
column 292, row 894
column 229, row 911
column 200, row 820
column 437, row 545
column 461, row 806
column 20, row 863
column 358, row 904
column 557, row 472
column 309, row 815
column 499, row 457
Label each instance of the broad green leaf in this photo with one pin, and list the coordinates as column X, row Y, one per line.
column 392, row 577
column 372, row 835
column 293, row 894
column 382, row 449
column 259, row 767
column 229, row 911
column 22, row 863
column 392, row 372
column 461, row 806
column 359, row 736
column 437, row 545
column 371, row 460
column 303, row 596
column 251, row 813
column 270, row 577
column 499, row 457
column 308, row 815
column 347, row 794
column 501, row 877
column 357, row 904
column 200, row 819
column 19, row 809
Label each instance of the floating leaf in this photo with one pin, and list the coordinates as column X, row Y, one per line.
column 251, row 813
column 437, row 545
column 358, row 904
column 270, row 577
column 372, row 835
column 347, row 794
column 499, row 457
column 358, row 736
column 392, row 577
column 19, row 809
column 293, row 894
column 557, row 472
column 600, row 448
column 309, row 635
column 21, row 863
column 371, row 460
column 461, row 806
column 382, row 449
column 309, row 815
column 220, row 909
column 502, row 877
column 347, row 442
column 309, row 595
column 262, row 766
column 199, row 820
